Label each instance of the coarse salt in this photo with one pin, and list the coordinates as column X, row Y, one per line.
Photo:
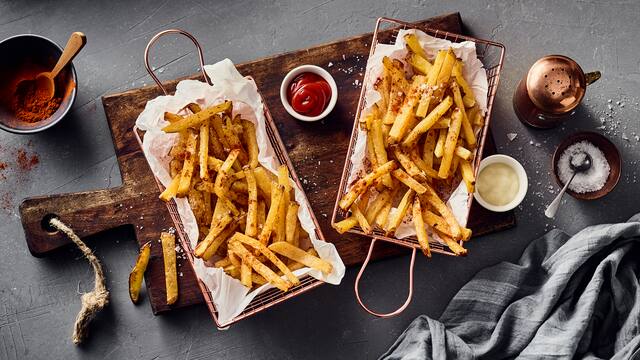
column 587, row 181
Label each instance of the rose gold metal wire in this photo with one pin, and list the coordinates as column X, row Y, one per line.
column 356, row 285
column 158, row 36
column 493, row 77
column 272, row 296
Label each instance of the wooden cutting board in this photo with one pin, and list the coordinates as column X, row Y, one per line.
column 317, row 151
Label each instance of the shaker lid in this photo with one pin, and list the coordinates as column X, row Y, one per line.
column 556, row 84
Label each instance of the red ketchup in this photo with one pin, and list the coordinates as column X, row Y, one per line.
column 309, row 94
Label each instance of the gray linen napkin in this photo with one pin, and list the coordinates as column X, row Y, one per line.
column 567, row 298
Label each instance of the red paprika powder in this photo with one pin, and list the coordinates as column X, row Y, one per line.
column 31, row 105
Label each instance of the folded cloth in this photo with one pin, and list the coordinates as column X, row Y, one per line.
column 567, row 297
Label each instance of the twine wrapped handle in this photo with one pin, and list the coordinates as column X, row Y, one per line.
column 94, row 301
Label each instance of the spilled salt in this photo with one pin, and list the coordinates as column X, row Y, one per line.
column 587, row 181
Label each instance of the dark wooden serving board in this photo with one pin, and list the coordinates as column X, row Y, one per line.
column 317, row 151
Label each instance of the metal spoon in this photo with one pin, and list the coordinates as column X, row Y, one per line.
column 43, row 82
column 579, row 162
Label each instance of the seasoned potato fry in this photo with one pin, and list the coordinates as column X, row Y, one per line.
column 406, row 115
column 245, row 274
column 272, row 216
column 450, row 143
column 217, row 226
column 346, row 224
column 401, row 211
column 171, row 117
column 168, row 241
column 362, row 220
column 409, row 181
column 447, row 66
column 204, row 151
column 188, row 166
column 467, row 175
column 283, row 179
column 425, row 124
column 137, row 273
column 171, row 190
column 467, row 130
column 374, row 208
column 442, row 137
column 469, row 99
column 259, row 267
column 420, row 64
column 292, row 224
column 363, row 184
column 421, row 231
column 252, row 207
column 414, row 45
column 266, row 253
column 434, row 200
column 195, row 120
column 463, row 153
column 432, row 77
column 287, row 250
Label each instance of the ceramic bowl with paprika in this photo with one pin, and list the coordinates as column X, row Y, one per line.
column 23, row 111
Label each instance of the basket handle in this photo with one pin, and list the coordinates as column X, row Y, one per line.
column 173, row 31
column 409, row 295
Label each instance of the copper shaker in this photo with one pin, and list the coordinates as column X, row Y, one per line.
column 550, row 92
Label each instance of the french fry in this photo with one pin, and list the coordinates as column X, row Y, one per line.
column 194, row 120
column 425, row 102
column 440, row 224
column 397, row 93
column 383, row 216
column 264, row 179
column 289, row 251
column 401, row 211
column 137, row 273
column 383, row 86
column 429, row 147
column 414, row 45
column 204, row 151
column 432, row 77
column 222, row 179
column 252, row 206
column 259, row 267
column 345, row 225
column 234, row 141
column 439, row 149
column 425, row 124
column 363, row 184
column 292, row 223
column 377, row 139
column 450, row 143
column 462, row 153
column 272, row 216
column 434, row 200
column 217, row 124
column 222, row 262
column 168, row 241
column 171, row 190
column 216, row 228
column 447, row 66
column 171, row 117
column 420, row 64
column 187, row 167
column 374, row 208
column 362, row 220
column 266, row 253
column 467, row 175
column 245, row 274
column 467, row 130
column 443, row 123
column 216, row 245
column 469, row 99
column 454, row 246
column 408, row 164
column 409, row 181
column 421, row 231
column 283, row 179
column 422, row 165
column 406, row 114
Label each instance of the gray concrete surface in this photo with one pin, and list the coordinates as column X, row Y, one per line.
column 39, row 297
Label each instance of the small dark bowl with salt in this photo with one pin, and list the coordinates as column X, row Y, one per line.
column 610, row 152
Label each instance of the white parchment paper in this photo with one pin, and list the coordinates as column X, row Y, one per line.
column 229, row 295
column 473, row 72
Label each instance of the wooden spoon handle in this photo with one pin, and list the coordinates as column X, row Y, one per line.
column 76, row 42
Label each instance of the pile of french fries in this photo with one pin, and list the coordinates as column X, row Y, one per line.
column 421, row 136
column 247, row 216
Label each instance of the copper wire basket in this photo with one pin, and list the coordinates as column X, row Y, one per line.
column 492, row 56
column 271, row 296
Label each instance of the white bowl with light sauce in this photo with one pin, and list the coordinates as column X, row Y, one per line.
column 501, row 184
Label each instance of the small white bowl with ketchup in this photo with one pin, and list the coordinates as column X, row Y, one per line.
column 308, row 93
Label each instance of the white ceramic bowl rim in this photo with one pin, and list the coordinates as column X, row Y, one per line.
column 522, row 180
column 312, row 69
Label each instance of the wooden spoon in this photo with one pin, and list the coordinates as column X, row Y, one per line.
column 44, row 81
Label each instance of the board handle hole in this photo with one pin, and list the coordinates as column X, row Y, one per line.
column 46, row 223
